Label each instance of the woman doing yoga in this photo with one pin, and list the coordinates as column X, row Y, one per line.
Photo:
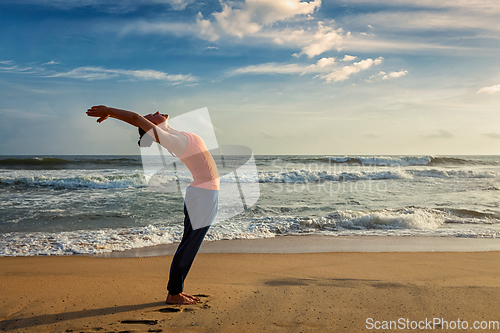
column 201, row 199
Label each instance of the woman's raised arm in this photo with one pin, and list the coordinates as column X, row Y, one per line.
column 104, row 112
column 175, row 143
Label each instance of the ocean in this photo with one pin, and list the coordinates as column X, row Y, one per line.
column 60, row 205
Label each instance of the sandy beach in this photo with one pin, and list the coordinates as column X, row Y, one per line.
column 252, row 292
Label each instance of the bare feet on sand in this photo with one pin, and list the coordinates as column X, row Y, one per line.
column 181, row 298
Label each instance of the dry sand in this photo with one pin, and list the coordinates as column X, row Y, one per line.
column 249, row 292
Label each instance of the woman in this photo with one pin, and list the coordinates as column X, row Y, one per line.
column 201, row 200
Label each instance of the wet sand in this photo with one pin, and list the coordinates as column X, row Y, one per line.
column 250, row 292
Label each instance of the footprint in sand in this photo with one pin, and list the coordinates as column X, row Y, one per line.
column 144, row 322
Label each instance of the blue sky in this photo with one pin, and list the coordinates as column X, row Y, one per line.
column 282, row 77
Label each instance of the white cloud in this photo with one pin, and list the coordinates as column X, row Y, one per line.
column 321, row 66
column 384, row 76
column 312, row 42
column 254, row 14
column 345, row 72
column 236, row 22
column 100, row 73
column 348, row 58
column 206, row 29
column 393, row 75
column 52, row 62
column 325, row 39
column 10, row 66
column 489, row 90
column 327, row 68
column 257, row 20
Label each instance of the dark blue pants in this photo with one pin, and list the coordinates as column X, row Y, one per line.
column 184, row 256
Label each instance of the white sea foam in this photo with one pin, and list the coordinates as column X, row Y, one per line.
column 395, row 222
column 305, row 176
column 439, row 173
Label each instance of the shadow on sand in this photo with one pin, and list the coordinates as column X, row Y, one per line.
column 11, row 324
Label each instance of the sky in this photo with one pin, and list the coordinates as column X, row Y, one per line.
column 357, row 77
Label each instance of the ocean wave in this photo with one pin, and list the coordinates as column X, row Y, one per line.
column 408, row 221
column 68, row 162
column 115, row 179
column 436, row 173
column 405, row 160
column 306, row 176
column 381, row 160
column 75, row 182
column 406, row 218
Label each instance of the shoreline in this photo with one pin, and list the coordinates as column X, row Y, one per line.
column 249, row 292
column 318, row 244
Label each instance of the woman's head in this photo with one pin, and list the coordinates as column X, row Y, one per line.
column 157, row 119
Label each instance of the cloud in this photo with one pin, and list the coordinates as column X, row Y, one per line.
column 422, row 20
column 177, row 4
column 441, row 134
column 255, row 14
column 490, row 6
column 112, row 6
column 322, row 65
column 52, row 62
column 424, row 25
column 10, row 66
column 493, row 135
column 345, row 72
column 327, row 68
column 489, row 90
column 384, row 76
column 393, row 75
column 349, row 58
column 325, row 39
column 257, row 18
column 147, row 27
column 312, row 42
column 207, row 30
column 371, row 44
column 100, row 73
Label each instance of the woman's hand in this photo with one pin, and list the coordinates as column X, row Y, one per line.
column 101, row 111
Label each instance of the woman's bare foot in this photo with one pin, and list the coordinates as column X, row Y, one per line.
column 180, row 299
column 192, row 297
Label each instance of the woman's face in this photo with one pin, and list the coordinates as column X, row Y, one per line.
column 157, row 118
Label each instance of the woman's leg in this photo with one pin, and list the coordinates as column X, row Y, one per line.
column 185, row 254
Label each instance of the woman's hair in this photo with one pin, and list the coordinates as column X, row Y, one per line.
column 145, row 140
